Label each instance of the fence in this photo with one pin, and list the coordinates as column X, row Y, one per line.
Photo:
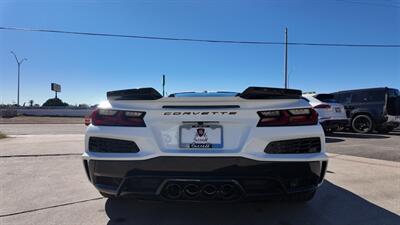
column 68, row 112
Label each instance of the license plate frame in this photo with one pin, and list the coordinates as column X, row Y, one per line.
column 201, row 144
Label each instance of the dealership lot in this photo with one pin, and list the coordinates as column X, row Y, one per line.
column 43, row 183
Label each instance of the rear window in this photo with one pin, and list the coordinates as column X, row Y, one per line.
column 368, row 96
column 343, row 97
column 328, row 98
column 393, row 93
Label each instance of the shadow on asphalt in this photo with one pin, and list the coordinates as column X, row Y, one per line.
column 357, row 135
column 393, row 133
column 333, row 140
column 331, row 205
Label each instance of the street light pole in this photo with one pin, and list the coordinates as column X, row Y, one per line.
column 19, row 62
column 286, row 57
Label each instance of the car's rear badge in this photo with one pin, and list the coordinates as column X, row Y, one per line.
column 201, row 135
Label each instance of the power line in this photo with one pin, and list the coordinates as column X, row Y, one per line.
column 387, row 3
column 395, row 5
column 201, row 40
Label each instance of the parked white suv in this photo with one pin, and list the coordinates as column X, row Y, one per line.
column 215, row 146
column 331, row 114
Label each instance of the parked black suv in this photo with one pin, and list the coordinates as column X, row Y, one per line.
column 371, row 109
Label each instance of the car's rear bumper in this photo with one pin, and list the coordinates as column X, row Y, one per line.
column 249, row 179
column 393, row 121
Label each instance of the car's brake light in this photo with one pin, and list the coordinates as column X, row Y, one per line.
column 109, row 117
column 289, row 117
column 322, row 106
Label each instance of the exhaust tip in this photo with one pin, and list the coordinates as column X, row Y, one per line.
column 192, row 190
column 209, row 191
column 227, row 191
column 173, row 191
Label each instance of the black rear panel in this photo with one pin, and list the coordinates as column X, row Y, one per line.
column 98, row 144
column 150, row 178
column 393, row 106
column 302, row 145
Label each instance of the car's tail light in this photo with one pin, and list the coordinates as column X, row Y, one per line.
column 289, row 117
column 109, row 117
column 322, row 106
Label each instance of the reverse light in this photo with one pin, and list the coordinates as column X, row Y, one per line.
column 288, row 117
column 107, row 112
column 109, row 117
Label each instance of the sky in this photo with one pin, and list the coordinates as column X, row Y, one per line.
column 87, row 66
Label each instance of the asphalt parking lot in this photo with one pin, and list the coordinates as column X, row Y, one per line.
column 43, row 183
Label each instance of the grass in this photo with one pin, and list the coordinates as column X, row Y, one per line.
column 2, row 135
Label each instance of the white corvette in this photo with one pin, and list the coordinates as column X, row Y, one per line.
column 218, row 146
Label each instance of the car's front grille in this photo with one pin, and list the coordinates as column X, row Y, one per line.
column 108, row 145
column 293, row 146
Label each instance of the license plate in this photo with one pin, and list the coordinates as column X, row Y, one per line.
column 196, row 136
column 337, row 109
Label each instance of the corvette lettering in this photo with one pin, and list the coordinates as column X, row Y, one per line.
column 198, row 113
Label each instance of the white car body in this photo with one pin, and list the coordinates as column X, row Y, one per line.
column 243, row 142
column 331, row 114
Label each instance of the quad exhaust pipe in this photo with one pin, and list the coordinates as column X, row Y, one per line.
column 209, row 191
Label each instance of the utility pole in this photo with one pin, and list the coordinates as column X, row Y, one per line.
column 163, row 85
column 19, row 62
column 286, row 57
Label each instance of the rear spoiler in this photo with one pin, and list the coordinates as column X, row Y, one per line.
column 134, row 94
column 249, row 93
column 270, row 93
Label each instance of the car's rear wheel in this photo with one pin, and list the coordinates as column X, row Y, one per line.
column 362, row 124
column 301, row 196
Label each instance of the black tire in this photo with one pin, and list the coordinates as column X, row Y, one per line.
column 301, row 196
column 362, row 124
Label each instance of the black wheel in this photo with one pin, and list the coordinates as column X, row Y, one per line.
column 362, row 124
column 301, row 196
